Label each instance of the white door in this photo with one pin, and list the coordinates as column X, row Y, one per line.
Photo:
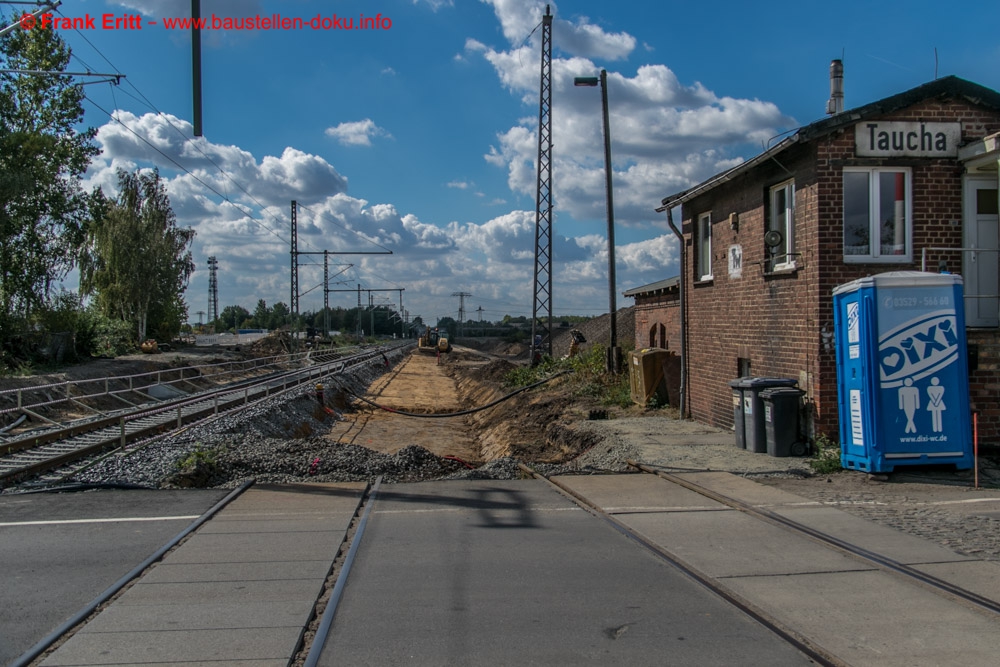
column 982, row 234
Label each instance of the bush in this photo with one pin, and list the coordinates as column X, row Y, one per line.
column 826, row 460
column 100, row 336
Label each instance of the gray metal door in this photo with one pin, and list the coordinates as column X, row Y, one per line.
column 982, row 236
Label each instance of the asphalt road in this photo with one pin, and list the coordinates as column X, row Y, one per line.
column 60, row 551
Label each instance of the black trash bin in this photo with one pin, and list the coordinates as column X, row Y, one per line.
column 753, row 410
column 738, row 421
column 781, row 421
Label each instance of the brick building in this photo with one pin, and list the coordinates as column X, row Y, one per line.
column 903, row 183
column 657, row 315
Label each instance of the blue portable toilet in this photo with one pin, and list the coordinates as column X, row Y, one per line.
column 902, row 371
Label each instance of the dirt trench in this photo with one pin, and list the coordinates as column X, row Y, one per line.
column 532, row 426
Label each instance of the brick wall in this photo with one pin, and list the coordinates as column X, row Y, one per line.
column 984, row 382
column 658, row 322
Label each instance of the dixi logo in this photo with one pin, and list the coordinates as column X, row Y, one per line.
column 918, row 348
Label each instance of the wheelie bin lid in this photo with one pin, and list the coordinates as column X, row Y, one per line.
column 758, row 383
column 738, row 383
column 776, row 392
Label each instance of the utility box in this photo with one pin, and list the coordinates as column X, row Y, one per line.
column 646, row 375
column 902, row 371
column 781, row 421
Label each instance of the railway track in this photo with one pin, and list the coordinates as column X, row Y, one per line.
column 816, row 652
column 51, row 455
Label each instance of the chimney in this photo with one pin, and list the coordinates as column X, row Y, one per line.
column 836, row 102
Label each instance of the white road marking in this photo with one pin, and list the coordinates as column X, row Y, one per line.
column 111, row 520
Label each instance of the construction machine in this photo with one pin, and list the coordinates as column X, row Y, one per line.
column 434, row 340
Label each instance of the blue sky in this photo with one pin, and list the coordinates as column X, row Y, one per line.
column 420, row 138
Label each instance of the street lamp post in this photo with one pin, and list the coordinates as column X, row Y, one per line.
column 614, row 352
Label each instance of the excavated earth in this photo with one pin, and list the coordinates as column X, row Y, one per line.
column 438, row 402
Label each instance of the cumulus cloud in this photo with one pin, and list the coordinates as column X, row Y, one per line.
column 519, row 19
column 168, row 141
column 357, row 133
column 239, row 205
column 666, row 135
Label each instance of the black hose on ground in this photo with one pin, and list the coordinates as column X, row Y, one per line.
column 460, row 412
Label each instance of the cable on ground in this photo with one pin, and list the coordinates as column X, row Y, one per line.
column 460, row 412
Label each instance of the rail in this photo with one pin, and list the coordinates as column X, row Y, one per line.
column 39, row 453
column 28, row 400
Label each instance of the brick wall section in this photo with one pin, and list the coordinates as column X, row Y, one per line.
column 783, row 324
column 984, row 382
column 658, row 322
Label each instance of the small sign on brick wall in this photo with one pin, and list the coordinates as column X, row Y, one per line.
column 735, row 261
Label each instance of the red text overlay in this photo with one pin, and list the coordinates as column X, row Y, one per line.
column 257, row 22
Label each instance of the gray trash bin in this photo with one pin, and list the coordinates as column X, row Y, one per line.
column 738, row 421
column 753, row 410
column 781, row 421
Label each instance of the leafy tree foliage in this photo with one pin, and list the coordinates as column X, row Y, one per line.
column 136, row 261
column 232, row 318
column 43, row 209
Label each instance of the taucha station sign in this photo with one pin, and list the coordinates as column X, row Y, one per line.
column 899, row 139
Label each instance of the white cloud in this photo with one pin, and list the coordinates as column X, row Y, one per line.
column 357, row 133
column 665, row 135
column 579, row 37
column 435, row 4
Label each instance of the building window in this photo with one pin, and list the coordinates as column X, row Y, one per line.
column 704, row 267
column 781, row 219
column 878, row 207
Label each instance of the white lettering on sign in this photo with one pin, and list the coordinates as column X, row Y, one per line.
column 897, row 139
column 922, row 346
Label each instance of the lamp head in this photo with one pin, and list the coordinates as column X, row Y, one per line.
column 586, row 81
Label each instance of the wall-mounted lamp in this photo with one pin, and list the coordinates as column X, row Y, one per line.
column 734, row 221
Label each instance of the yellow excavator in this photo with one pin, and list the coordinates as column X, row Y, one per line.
column 434, row 340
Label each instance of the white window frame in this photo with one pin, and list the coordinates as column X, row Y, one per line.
column 788, row 228
column 705, row 246
column 875, row 255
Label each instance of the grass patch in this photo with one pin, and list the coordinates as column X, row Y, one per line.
column 198, row 458
column 589, row 377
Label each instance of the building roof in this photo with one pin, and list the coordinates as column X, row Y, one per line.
column 944, row 88
column 668, row 285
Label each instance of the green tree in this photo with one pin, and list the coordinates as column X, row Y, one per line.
column 280, row 316
column 261, row 315
column 136, row 261
column 232, row 317
column 43, row 209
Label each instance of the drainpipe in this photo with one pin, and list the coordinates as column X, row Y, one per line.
column 680, row 288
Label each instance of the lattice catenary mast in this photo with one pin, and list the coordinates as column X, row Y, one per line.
column 542, row 304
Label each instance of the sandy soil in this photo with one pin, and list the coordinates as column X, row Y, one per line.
column 419, row 385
